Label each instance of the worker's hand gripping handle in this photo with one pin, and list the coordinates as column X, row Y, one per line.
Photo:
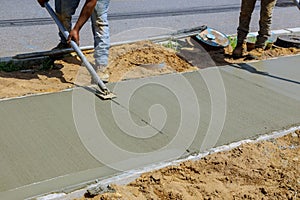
column 89, row 67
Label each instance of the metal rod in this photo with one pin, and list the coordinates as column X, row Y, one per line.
column 65, row 33
column 54, row 52
column 177, row 35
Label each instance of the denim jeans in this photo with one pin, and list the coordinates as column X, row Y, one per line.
column 100, row 27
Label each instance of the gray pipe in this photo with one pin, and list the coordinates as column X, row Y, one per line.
column 160, row 38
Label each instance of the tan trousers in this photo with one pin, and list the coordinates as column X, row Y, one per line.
column 266, row 11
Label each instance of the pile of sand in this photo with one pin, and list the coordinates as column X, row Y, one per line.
column 224, row 56
column 144, row 59
column 127, row 61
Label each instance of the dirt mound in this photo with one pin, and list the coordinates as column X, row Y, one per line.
column 224, row 56
column 144, row 59
column 127, row 61
column 259, row 54
column 264, row 170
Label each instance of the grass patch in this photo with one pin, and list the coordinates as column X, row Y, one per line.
column 170, row 44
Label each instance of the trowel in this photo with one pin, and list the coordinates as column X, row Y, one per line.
column 104, row 92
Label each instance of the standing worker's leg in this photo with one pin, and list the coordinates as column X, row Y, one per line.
column 247, row 8
column 100, row 29
column 266, row 11
column 64, row 10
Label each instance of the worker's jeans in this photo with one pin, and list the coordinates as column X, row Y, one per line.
column 266, row 11
column 66, row 8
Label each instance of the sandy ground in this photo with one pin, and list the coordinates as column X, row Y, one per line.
column 264, row 170
column 126, row 62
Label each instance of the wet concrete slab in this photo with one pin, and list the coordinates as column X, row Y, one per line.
column 213, row 107
column 254, row 110
column 51, row 142
column 54, row 141
column 39, row 146
column 281, row 75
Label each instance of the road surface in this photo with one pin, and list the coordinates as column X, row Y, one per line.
column 26, row 27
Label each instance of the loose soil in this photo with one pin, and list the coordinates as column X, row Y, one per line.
column 140, row 60
column 264, row 170
column 259, row 54
column 128, row 61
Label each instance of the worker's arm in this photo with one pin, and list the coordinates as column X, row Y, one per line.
column 86, row 12
column 42, row 2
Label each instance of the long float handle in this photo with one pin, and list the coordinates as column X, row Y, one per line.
column 77, row 49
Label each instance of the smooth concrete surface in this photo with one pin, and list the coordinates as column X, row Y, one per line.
column 280, row 75
column 54, row 141
column 294, row 30
column 279, row 32
column 39, row 144
column 253, row 110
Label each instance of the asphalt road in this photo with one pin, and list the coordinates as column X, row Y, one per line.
column 26, row 27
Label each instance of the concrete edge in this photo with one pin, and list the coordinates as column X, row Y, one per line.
column 129, row 176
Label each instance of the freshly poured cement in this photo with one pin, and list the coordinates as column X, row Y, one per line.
column 281, row 75
column 51, row 142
